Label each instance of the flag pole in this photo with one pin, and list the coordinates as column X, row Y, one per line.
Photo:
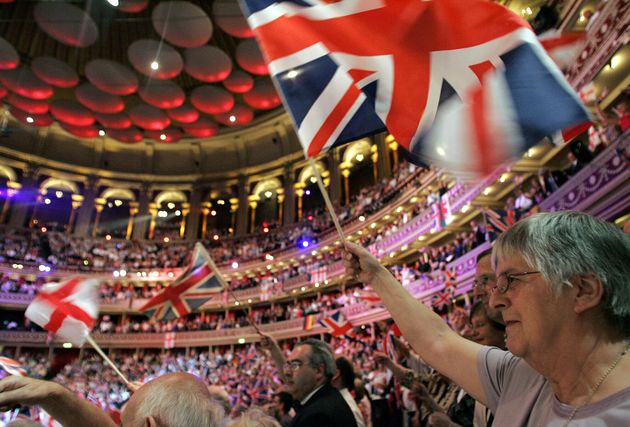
column 226, row 286
column 327, row 201
column 107, row 359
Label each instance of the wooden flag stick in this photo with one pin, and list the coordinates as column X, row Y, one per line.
column 329, row 205
column 226, row 286
column 107, row 359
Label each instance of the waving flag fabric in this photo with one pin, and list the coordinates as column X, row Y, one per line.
column 68, row 309
column 196, row 285
column 337, row 325
column 12, row 367
column 463, row 84
column 389, row 346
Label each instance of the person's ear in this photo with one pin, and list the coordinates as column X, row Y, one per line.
column 589, row 292
column 150, row 422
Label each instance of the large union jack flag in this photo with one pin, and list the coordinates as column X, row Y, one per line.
column 337, row 325
column 196, row 285
column 462, row 84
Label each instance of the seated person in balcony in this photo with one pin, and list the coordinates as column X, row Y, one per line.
column 562, row 289
column 172, row 400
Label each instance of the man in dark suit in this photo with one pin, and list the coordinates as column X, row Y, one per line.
column 309, row 370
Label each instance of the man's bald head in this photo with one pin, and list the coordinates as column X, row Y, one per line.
column 172, row 400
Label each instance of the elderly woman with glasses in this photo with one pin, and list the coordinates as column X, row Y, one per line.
column 563, row 290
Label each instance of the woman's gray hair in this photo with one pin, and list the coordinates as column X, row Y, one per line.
column 321, row 354
column 565, row 244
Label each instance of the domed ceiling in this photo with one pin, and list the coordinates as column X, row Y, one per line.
column 163, row 71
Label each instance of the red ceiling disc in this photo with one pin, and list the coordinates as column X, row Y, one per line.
column 71, row 113
column 132, row 6
column 237, row 116
column 81, row 131
column 54, row 72
column 9, row 58
column 114, row 121
column 167, row 135
column 263, row 96
column 97, row 100
column 250, row 58
column 184, row 114
column 228, row 16
column 23, row 82
column 182, row 23
column 155, row 59
column 4, row 92
column 239, row 82
column 28, row 105
column 66, row 23
column 149, row 118
column 162, row 94
column 208, row 64
column 202, row 128
column 32, row 119
column 111, row 77
column 211, row 99
column 130, row 135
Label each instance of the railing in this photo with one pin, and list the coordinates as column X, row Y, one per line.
column 610, row 170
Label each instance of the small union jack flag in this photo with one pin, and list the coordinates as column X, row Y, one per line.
column 498, row 218
column 337, row 325
column 196, row 285
column 443, row 299
column 450, row 277
column 12, row 367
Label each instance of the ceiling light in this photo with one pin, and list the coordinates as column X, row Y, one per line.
column 47, row 201
column 155, row 65
column 292, row 74
column 59, row 194
column 29, row 119
column 114, row 3
column 359, row 157
column 220, row 202
column 313, row 179
column 268, row 194
column 487, row 191
column 163, row 137
column 441, row 151
column 170, row 205
column 232, row 118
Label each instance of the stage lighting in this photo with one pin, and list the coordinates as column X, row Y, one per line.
column 235, row 265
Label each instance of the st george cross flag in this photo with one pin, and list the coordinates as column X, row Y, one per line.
column 67, row 309
column 12, row 367
column 189, row 291
column 337, row 325
column 462, row 84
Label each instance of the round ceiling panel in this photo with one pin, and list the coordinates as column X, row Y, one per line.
column 9, row 58
column 250, row 58
column 263, row 96
column 237, row 116
column 208, row 64
column 129, row 136
column 183, row 114
column 132, row 6
column 211, row 99
column 155, row 59
column 71, row 113
column 4, row 92
column 228, row 16
column 32, row 119
column 111, row 77
column 81, row 131
column 149, row 118
column 66, row 23
column 114, row 121
column 24, row 82
column 202, row 128
column 162, row 94
column 28, row 105
column 54, row 72
column 239, row 82
column 182, row 23
column 170, row 134
column 97, row 100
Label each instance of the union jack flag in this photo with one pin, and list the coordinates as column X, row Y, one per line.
column 450, row 277
column 443, row 299
column 498, row 219
column 196, row 285
column 337, row 325
column 12, row 367
column 439, row 73
column 389, row 346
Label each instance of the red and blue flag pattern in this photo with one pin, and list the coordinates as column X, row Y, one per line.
column 462, row 84
column 196, row 285
column 337, row 325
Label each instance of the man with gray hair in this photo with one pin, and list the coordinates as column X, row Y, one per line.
column 562, row 287
column 309, row 371
column 172, row 400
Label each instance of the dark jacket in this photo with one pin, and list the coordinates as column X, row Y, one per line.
column 326, row 408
